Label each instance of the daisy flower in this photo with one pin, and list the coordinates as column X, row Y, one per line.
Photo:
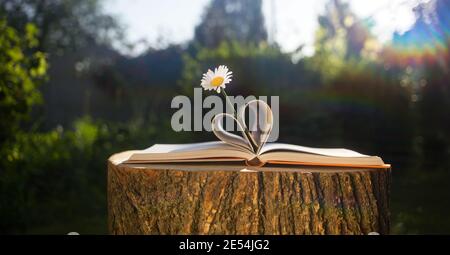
column 217, row 79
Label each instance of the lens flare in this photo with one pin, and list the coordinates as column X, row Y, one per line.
column 427, row 42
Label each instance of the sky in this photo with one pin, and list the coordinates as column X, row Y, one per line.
column 289, row 22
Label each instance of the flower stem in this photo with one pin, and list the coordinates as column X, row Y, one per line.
column 246, row 131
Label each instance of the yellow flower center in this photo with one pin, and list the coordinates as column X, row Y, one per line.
column 217, row 81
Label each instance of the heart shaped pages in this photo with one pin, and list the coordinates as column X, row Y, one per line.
column 254, row 135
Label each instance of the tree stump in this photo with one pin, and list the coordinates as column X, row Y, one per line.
column 195, row 199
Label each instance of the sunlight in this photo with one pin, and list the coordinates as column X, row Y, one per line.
column 290, row 23
column 277, row 86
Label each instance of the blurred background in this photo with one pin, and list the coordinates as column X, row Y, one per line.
column 83, row 79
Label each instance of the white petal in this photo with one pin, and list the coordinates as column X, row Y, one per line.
column 220, row 71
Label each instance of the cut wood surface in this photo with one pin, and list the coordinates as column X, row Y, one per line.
column 234, row 199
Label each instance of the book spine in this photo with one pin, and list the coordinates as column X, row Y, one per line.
column 256, row 161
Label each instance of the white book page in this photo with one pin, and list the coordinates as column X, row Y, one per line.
column 188, row 147
column 332, row 152
column 189, row 152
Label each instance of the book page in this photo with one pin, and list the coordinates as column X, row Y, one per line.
column 288, row 157
column 331, row 152
column 188, row 152
column 166, row 148
column 274, row 152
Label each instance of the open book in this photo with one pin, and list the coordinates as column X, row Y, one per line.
column 275, row 153
column 251, row 147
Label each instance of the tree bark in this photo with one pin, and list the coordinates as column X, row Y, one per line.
column 195, row 199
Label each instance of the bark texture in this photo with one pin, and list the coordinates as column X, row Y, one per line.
column 146, row 200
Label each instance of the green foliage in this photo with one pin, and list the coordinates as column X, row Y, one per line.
column 22, row 69
column 341, row 40
column 345, row 95
column 229, row 53
column 63, row 24
column 59, row 177
column 330, row 53
column 261, row 68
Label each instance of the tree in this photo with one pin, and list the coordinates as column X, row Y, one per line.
column 77, row 37
column 341, row 37
column 22, row 70
column 232, row 20
column 20, row 75
column 63, row 24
